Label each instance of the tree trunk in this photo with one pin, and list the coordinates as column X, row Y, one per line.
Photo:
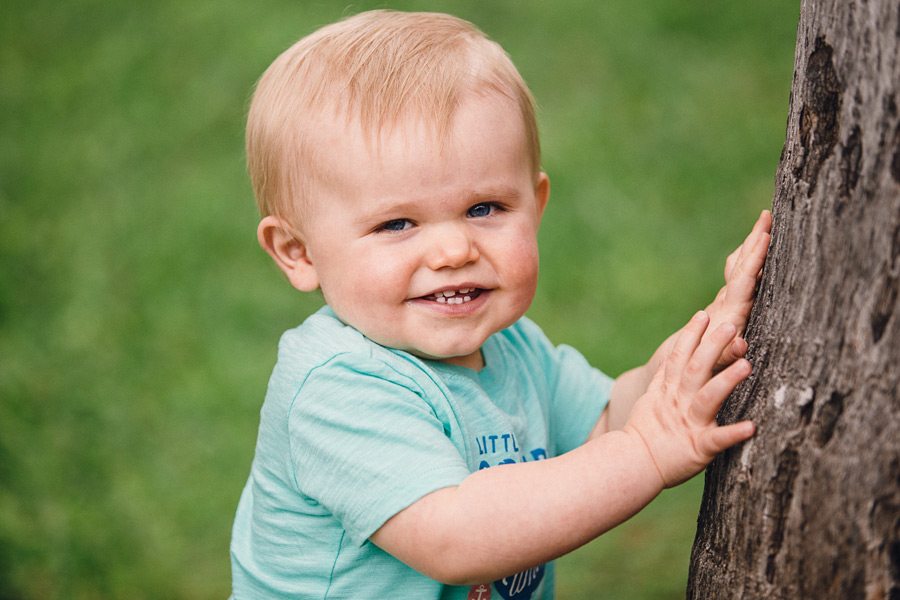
column 810, row 507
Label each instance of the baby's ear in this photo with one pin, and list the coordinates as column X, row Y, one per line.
column 542, row 193
column 288, row 252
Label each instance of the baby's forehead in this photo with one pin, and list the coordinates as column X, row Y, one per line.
column 338, row 125
column 352, row 159
column 347, row 150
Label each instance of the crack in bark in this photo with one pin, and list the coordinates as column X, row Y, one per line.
column 885, row 304
column 828, row 418
column 820, row 123
column 779, row 494
column 895, row 161
column 806, row 410
column 851, row 157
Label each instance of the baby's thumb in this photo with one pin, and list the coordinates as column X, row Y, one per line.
column 656, row 384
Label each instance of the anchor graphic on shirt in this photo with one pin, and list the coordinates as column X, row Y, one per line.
column 480, row 592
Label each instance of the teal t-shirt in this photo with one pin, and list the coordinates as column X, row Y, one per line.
column 351, row 433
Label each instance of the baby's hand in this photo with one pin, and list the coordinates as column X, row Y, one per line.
column 734, row 301
column 676, row 417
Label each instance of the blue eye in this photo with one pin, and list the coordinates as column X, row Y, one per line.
column 484, row 209
column 395, row 225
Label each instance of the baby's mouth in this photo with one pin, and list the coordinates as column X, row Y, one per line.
column 460, row 296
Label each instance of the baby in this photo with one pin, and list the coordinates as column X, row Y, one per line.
column 396, row 163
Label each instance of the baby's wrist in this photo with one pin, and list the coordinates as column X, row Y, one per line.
column 643, row 456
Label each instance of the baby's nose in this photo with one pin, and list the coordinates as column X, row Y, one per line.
column 451, row 247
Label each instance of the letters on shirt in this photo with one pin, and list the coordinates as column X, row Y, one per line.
column 495, row 449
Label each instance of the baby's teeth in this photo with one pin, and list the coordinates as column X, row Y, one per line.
column 452, row 298
column 451, row 293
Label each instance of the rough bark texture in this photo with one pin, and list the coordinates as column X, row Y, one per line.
column 810, row 508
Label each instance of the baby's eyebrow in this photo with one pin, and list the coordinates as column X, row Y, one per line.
column 386, row 210
column 496, row 193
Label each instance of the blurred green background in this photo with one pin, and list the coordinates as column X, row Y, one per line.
column 138, row 317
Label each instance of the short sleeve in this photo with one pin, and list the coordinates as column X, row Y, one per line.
column 365, row 444
column 578, row 392
column 580, row 395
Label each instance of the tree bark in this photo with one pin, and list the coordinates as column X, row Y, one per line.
column 810, row 507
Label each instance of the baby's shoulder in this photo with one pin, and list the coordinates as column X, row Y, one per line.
column 321, row 336
column 323, row 346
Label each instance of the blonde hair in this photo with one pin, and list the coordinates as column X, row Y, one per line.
column 376, row 67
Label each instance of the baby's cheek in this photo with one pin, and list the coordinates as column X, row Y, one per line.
column 375, row 273
column 525, row 259
column 523, row 273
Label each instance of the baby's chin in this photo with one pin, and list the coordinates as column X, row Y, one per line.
column 468, row 355
column 454, row 358
column 474, row 360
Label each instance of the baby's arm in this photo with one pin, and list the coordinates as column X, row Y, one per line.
column 731, row 305
column 509, row 518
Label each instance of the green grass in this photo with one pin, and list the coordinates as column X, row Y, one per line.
column 138, row 318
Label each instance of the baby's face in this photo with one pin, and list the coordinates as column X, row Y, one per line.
column 425, row 247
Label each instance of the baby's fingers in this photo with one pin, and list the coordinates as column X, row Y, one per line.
column 706, row 356
column 722, row 438
column 760, row 230
column 733, row 351
column 709, row 400
column 685, row 345
column 741, row 271
column 656, row 383
column 731, row 261
column 741, row 287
